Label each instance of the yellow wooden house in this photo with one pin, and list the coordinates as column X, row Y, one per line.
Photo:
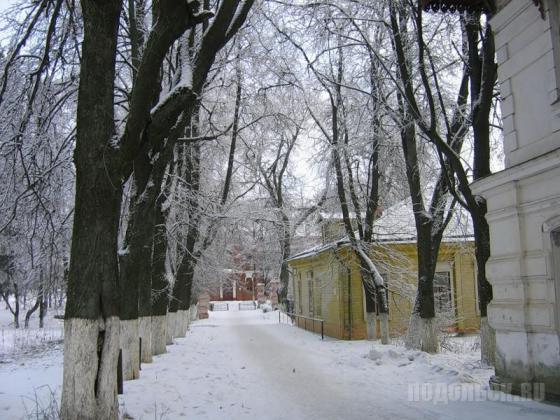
column 326, row 282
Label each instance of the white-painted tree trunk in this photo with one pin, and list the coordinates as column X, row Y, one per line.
column 422, row 334
column 384, row 323
column 145, row 333
column 371, row 325
column 412, row 339
column 84, row 373
column 159, row 334
column 487, row 342
column 171, row 321
column 180, row 324
column 130, row 346
column 186, row 321
column 189, row 318
column 194, row 311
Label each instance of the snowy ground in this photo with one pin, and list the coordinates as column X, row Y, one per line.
column 245, row 365
column 30, row 366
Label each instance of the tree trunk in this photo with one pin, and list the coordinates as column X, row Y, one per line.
column 31, row 310
column 91, row 327
column 135, row 268
column 483, row 70
column 182, row 290
column 181, row 300
column 286, row 250
column 422, row 331
column 160, row 286
column 42, row 308
column 482, row 248
column 16, row 306
column 371, row 312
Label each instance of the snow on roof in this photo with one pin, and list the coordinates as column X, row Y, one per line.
column 397, row 225
column 324, row 215
column 318, row 249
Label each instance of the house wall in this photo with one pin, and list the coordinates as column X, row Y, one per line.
column 326, row 293
column 524, row 200
column 465, row 289
column 528, row 74
column 399, row 263
column 342, row 294
column 355, row 304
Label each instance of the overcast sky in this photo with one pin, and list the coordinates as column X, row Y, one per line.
column 5, row 3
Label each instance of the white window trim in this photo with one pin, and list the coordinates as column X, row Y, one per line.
column 552, row 263
column 448, row 267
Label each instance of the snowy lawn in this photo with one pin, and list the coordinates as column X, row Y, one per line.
column 30, row 366
column 245, row 365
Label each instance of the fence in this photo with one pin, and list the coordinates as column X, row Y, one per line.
column 247, row 306
column 215, row 306
column 306, row 320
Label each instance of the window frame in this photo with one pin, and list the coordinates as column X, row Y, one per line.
column 310, row 303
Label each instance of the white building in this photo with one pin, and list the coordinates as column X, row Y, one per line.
column 524, row 198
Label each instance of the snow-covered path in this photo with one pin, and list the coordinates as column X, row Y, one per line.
column 244, row 365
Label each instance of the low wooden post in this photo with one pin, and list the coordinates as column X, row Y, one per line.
column 140, row 353
column 120, row 387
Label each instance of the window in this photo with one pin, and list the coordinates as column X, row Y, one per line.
column 442, row 292
column 310, row 292
column 318, row 298
column 345, row 280
column 299, row 295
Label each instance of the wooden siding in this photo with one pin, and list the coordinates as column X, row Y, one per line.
column 338, row 289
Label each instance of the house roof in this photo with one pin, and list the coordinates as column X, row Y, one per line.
column 397, row 225
column 319, row 249
column 484, row 6
column 326, row 215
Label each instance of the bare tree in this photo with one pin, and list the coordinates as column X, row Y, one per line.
column 103, row 162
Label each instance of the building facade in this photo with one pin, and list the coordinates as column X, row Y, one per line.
column 326, row 284
column 524, row 199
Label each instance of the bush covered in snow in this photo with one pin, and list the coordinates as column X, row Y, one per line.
column 266, row 307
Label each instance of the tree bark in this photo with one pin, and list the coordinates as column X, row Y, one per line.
column 32, row 310
column 42, row 306
column 135, row 265
column 483, row 70
column 181, row 300
column 16, row 306
column 91, row 328
column 160, row 286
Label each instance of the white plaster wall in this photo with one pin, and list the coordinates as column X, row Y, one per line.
column 529, row 86
column 523, row 198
